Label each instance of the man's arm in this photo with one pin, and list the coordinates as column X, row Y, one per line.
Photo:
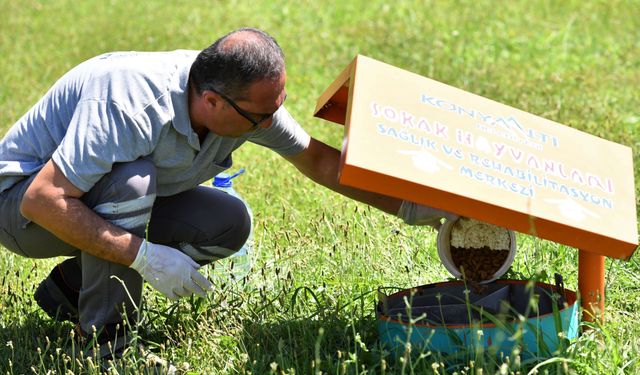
column 53, row 202
column 321, row 162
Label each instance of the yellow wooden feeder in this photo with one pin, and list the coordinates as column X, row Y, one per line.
column 414, row 138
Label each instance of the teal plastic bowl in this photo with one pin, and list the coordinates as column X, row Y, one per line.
column 448, row 317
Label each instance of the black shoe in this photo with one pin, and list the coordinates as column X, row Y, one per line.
column 58, row 294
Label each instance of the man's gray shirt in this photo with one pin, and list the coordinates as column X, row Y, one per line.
column 122, row 106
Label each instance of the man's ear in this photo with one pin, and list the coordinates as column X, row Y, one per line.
column 211, row 98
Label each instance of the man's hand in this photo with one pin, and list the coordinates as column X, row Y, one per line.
column 170, row 271
column 415, row 214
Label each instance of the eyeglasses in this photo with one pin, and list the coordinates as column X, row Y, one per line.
column 244, row 113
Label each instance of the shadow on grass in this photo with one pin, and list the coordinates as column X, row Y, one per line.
column 37, row 344
column 33, row 341
column 331, row 344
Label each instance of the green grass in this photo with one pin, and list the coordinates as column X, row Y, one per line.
column 309, row 304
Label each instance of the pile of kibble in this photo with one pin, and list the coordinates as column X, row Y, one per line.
column 478, row 264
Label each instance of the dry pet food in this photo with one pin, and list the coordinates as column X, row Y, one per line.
column 478, row 249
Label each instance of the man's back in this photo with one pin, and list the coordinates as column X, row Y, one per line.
column 114, row 100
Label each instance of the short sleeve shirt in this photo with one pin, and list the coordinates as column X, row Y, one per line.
column 122, row 106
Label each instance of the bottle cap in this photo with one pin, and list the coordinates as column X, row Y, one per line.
column 224, row 180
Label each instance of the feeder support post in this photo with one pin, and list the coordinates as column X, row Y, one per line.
column 591, row 285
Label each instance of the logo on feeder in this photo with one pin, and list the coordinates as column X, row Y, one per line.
column 425, row 161
column 505, row 127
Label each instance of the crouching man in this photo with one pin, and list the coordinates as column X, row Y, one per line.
column 105, row 169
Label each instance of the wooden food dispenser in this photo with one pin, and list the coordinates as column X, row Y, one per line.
column 415, row 138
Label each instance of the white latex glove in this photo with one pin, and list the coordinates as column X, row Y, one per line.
column 170, row 271
column 416, row 214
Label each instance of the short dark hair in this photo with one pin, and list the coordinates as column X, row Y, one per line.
column 231, row 64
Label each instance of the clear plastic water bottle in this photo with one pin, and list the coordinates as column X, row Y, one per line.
column 242, row 260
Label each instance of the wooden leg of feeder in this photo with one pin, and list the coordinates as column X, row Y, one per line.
column 591, row 285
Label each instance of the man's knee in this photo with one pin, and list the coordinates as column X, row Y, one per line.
column 239, row 226
column 205, row 223
column 125, row 196
column 226, row 242
column 132, row 180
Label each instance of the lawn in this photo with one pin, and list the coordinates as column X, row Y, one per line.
column 308, row 305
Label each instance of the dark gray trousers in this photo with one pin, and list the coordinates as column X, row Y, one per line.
column 203, row 222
